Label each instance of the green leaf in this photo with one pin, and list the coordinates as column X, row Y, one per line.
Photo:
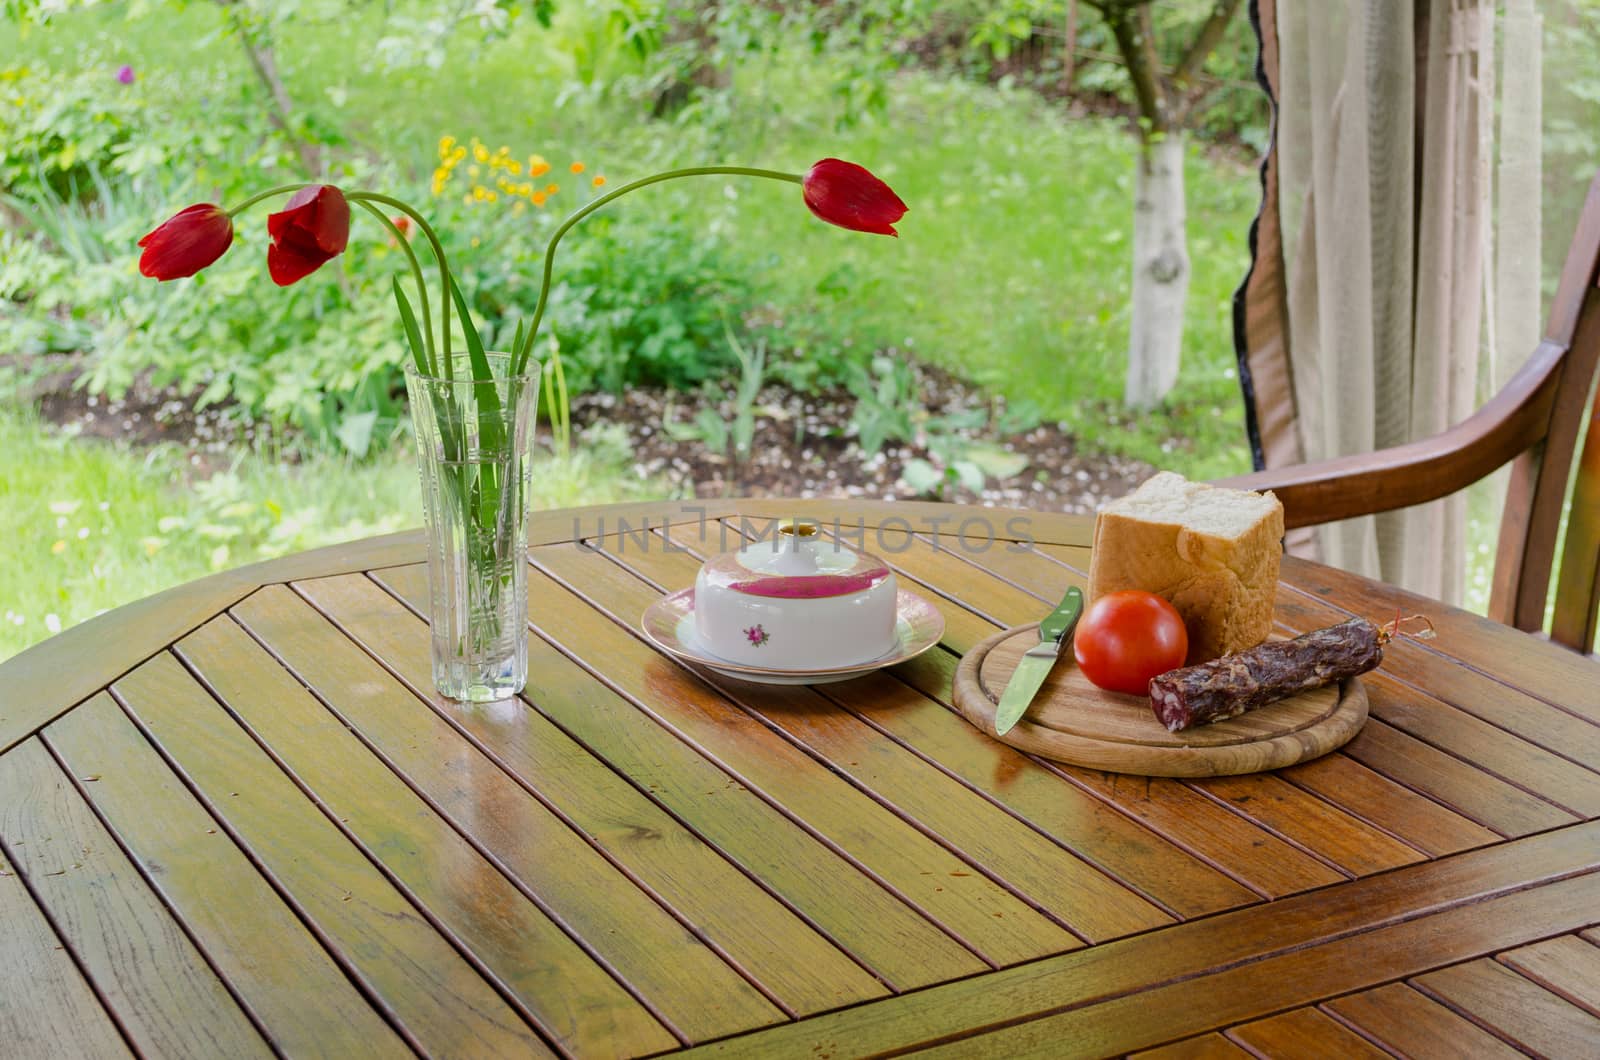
column 491, row 428
column 994, row 461
column 355, row 432
column 480, row 362
column 922, row 477
column 969, row 475
column 408, row 320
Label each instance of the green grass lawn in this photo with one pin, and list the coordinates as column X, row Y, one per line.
column 95, row 525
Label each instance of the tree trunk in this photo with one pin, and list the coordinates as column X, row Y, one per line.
column 1160, row 272
column 258, row 49
column 1069, row 59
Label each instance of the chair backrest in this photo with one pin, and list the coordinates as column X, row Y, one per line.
column 1577, row 609
column 1535, row 422
column 1539, row 475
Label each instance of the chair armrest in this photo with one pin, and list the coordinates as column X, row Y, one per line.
column 1325, row 491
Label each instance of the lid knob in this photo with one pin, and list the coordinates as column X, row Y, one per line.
column 797, row 548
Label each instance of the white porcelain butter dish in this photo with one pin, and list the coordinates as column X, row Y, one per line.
column 796, row 601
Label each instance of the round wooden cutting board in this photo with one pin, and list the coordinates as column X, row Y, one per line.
column 1072, row 721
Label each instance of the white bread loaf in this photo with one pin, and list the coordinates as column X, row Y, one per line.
column 1213, row 553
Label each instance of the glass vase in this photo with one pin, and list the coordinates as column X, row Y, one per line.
column 473, row 441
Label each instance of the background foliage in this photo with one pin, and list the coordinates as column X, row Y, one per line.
column 1011, row 272
column 1014, row 264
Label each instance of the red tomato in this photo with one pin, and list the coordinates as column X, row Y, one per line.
column 1127, row 638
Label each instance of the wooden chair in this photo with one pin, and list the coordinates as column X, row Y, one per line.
column 1535, row 423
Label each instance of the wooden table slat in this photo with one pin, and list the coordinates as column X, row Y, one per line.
column 1169, row 808
column 1568, row 966
column 1212, row 1046
column 435, row 995
column 886, row 935
column 1321, row 829
column 1306, row 1033
column 1546, row 763
column 554, row 982
column 165, row 997
column 298, row 992
column 1527, row 871
column 1413, row 1024
column 1543, row 669
column 1409, row 816
column 1469, row 791
column 1515, row 1007
column 1522, row 739
column 1301, row 976
column 918, row 868
column 1520, row 761
column 1174, row 812
column 1075, row 892
column 47, row 1007
column 933, row 730
column 636, row 876
column 802, row 967
column 1348, row 843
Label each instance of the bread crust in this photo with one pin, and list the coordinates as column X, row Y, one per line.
column 1224, row 587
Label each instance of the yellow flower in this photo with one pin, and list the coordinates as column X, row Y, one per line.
column 518, row 208
column 480, row 152
column 577, row 167
column 473, row 171
column 598, row 181
column 515, row 167
column 446, row 144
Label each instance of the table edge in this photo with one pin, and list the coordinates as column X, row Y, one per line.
column 46, row 680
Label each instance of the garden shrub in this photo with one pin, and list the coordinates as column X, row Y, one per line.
column 636, row 300
column 65, row 130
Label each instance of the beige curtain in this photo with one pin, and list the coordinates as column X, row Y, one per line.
column 1382, row 187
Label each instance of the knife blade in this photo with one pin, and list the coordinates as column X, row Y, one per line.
column 1054, row 632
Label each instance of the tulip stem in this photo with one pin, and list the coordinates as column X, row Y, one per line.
column 438, row 255
column 520, row 356
column 269, row 193
column 416, row 274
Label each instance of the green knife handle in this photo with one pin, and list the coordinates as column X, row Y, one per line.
column 1056, row 623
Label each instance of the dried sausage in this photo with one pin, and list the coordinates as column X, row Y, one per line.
column 1229, row 686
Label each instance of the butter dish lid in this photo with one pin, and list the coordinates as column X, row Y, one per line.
column 796, row 564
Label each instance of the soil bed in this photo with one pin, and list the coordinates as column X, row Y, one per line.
column 804, row 444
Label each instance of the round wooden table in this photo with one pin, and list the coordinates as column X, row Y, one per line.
column 236, row 821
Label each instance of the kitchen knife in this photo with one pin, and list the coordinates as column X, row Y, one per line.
column 1054, row 632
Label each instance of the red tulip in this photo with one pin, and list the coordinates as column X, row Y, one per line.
column 186, row 243
column 310, row 231
column 844, row 194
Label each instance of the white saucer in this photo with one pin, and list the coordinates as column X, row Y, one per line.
column 669, row 623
